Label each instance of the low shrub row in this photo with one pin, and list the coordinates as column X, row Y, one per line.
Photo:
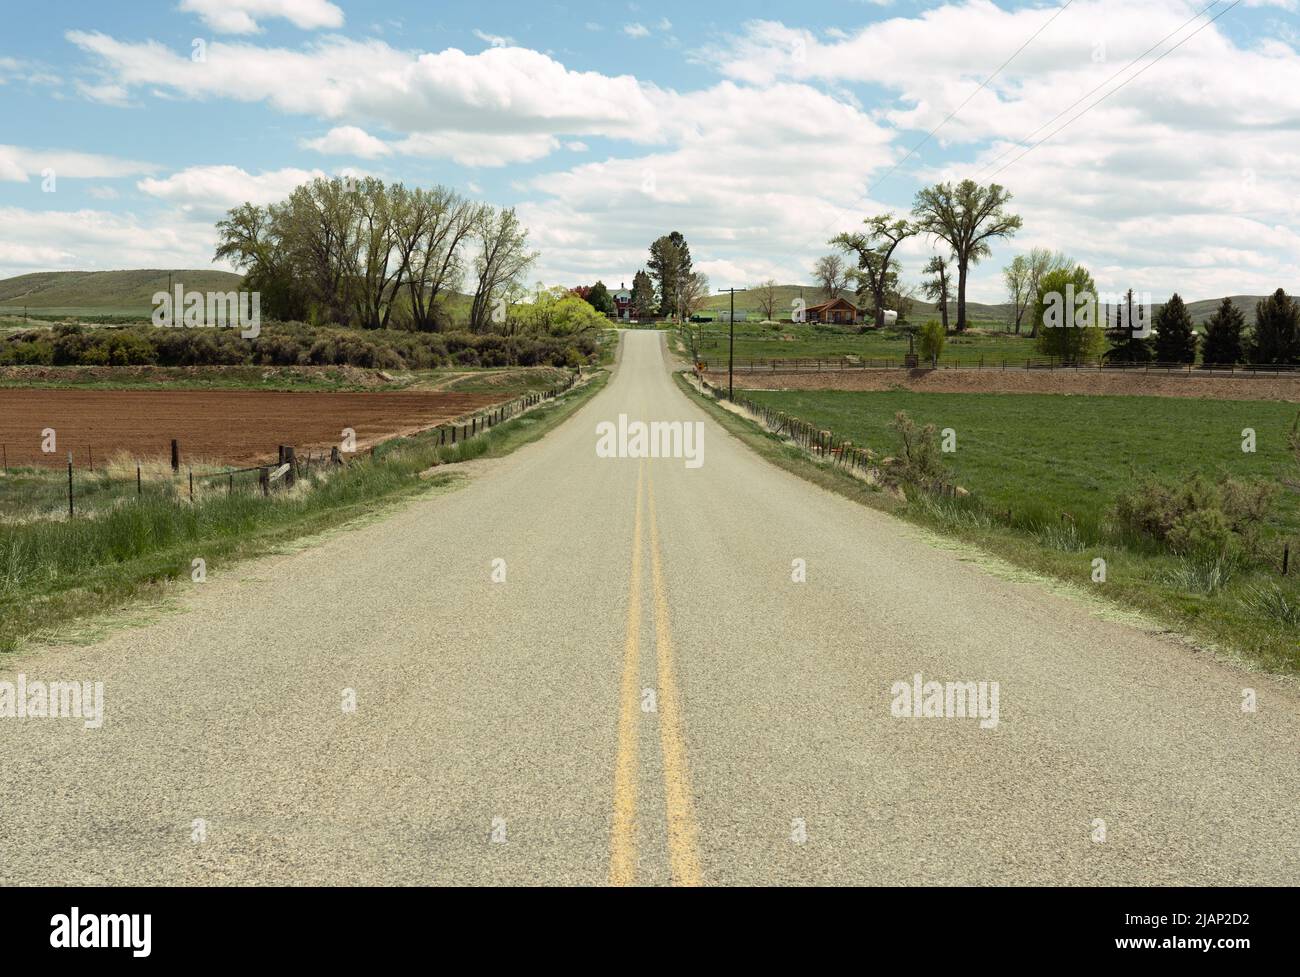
column 291, row 344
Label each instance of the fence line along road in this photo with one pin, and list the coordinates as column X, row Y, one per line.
column 819, row 442
column 841, row 364
column 289, row 467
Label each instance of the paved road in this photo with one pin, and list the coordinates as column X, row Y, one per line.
column 502, row 731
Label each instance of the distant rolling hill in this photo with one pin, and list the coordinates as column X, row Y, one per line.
column 121, row 292
column 1202, row 310
column 785, row 294
column 131, row 293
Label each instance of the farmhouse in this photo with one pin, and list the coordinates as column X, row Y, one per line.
column 622, row 302
column 839, row 311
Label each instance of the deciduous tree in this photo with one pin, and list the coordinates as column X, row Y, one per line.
column 831, row 275
column 877, row 271
column 693, row 292
column 502, row 259
column 967, row 217
column 1072, row 333
column 765, row 294
column 938, row 286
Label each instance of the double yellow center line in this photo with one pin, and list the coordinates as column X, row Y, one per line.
column 683, row 835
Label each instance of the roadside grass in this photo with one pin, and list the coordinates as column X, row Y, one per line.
column 53, row 573
column 510, row 380
column 1027, row 460
column 28, row 494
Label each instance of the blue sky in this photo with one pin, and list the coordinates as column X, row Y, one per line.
column 758, row 129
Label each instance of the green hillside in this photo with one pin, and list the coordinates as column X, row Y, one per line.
column 1202, row 310
column 812, row 295
column 980, row 312
column 120, row 292
column 785, row 294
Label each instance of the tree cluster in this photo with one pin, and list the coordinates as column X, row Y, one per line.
column 965, row 216
column 375, row 255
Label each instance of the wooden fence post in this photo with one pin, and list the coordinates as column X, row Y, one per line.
column 176, row 457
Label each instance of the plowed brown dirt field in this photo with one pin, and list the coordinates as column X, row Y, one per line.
column 1093, row 383
column 229, row 426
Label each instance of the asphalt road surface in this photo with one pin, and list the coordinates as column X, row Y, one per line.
column 648, row 697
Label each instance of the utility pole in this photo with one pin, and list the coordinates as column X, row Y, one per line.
column 731, row 347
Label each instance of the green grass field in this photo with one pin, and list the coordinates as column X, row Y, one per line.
column 1044, row 472
column 1048, row 454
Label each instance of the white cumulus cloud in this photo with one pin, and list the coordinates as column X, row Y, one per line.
column 243, row 16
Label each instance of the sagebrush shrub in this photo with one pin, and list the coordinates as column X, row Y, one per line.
column 1196, row 515
column 920, row 460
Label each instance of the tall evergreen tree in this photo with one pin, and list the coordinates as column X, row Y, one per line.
column 1223, row 335
column 1125, row 345
column 670, row 266
column 643, row 295
column 1276, row 338
column 1175, row 334
column 598, row 298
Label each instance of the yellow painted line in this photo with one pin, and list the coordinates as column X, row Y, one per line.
column 683, row 834
column 622, row 844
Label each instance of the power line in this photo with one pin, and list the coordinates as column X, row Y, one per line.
column 1116, row 89
column 984, row 84
column 1121, row 71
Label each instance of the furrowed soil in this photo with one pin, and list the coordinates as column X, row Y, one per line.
column 1024, row 382
column 233, row 426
